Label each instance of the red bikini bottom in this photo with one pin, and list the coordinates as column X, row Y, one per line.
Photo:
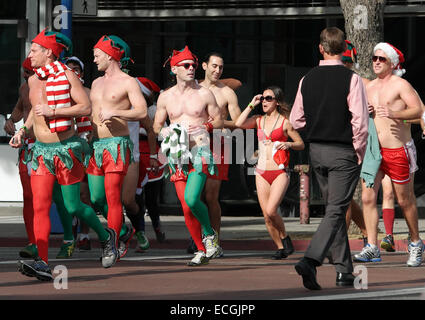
column 269, row 175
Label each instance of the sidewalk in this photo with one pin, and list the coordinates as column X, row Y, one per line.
column 237, row 233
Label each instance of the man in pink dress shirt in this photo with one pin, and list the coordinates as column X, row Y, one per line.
column 331, row 107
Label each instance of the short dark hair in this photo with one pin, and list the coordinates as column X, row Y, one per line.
column 212, row 54
column 333, row 40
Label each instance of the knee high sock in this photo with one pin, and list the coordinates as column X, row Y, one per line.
column 192, row 196
column 64, row 216
column 74, row 206
column 42, row 200
column 192, row 223
column 28, row 210
column 388, row 215
column 97, row 186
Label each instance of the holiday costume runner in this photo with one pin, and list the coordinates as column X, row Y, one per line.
column 190, row 128
column 116, row 98
column 57, row 156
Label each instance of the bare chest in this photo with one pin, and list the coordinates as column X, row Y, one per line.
column 185, row 105
column 108, row 93
column 387, row 95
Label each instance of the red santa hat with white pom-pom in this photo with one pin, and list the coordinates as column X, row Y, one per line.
column 395, row 55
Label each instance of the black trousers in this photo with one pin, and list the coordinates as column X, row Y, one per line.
column 337, row 172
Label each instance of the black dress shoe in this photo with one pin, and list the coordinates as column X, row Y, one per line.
column 308, row 271
column 280, row 254
column 344, row 279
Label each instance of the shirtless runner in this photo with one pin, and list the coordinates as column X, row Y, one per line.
column 57, row 95
column 393, row 100
column 112, row 97
column 189, row 107
column 228, row 103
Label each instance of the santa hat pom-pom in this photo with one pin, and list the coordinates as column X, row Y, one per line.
column 399, row 72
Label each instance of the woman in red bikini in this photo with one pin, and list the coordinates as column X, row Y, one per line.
column 272, row 178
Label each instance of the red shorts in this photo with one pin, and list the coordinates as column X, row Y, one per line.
column 63, row 175
column 395, row 164
column 109, row 165
column 222, row 166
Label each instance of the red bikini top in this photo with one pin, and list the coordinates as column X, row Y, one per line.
column 276, row 135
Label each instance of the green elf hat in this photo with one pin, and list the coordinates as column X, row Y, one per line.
column 126, row 57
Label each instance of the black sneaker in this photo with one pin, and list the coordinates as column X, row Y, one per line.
column 109, row 249
column 280, row 254
column 160, row 236
column 124, row 241
column 288, row 247
column 38, row 269
column 192, row 247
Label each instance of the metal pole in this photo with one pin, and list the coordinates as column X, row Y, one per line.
column 68, row 28
column 303, row 170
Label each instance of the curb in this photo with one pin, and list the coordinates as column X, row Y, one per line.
column 254, row 245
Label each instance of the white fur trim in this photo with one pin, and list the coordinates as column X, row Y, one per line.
column 392, row 54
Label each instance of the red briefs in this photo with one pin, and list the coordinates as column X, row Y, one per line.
column 180, row 176
column 395, row 164
column 63, row 175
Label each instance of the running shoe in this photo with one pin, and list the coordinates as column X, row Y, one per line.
column 387, row 243
column 38, row 268
column 124, row 241
column 66, row 250
column 199, row 259
column 415, row 251
column 211, row 245
column 84, row 244
column 368, row 254
column 160, row 236
column 143, row 242
column 109, row 249
column 220, row 253
column 30, row 251
column 288, row 247
column 280, row 254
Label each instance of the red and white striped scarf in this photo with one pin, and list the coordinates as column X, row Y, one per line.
column 57, row 91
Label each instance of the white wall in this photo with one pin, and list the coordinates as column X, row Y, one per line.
column 10, row 183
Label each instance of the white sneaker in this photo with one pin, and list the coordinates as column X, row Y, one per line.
column 211, row 245
column 199, row 259
column 416, row 251
column 369, row 254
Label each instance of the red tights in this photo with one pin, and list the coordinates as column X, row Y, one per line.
column 192, row 224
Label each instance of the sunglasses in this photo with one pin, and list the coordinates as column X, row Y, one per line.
column 187, row 65
column 381, row 59
column 267, row 98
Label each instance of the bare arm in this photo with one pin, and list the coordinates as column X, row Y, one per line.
column 17, row 114
column 214, row 111
column 297, row 142
column 161, row 114
column 413, row 103
column 234, row 110
column 81, row 103
column 248, row 123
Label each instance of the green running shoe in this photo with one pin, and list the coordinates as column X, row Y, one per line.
column 143, row 242
column 66, row 250
column 30, row 251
